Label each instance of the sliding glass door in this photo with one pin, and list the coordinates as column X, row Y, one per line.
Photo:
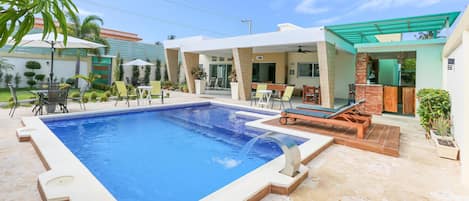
column 218, row 76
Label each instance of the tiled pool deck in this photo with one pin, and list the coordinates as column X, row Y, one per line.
column 338, row 173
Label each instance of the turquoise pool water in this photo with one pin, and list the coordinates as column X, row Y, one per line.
column 172, row 154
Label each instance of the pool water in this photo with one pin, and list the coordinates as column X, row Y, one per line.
column 173, row 154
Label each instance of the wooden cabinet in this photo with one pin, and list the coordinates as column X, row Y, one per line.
column 390, row 98
column 408, row 100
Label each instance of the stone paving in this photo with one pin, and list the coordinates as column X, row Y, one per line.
column 339, row 173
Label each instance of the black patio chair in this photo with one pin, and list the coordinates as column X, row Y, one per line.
column 16, row 102
column 57, row 97
column 80, row 99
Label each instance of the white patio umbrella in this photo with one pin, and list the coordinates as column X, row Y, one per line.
column 138, row 62
column 35, row 40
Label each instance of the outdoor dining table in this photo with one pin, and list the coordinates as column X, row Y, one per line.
column 141, row 89
column 265, row 98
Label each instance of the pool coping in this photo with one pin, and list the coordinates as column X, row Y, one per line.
column 67, row 178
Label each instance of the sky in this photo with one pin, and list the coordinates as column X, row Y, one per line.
column 154, row 20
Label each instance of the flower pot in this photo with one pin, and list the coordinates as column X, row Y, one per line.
column 435, row 136
column 447, row 149
column 234, row 90
column 199, row 87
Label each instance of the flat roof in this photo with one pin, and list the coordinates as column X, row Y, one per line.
column 364, row 32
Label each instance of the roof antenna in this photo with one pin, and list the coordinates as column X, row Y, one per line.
column 249, row 22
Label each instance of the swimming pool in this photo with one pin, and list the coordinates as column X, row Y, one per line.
column 180, row 153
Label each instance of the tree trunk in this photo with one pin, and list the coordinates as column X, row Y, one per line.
column 77, row 68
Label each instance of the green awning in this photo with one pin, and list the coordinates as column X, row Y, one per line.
column 364, row 32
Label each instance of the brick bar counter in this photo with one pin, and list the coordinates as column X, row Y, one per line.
column 373, row 94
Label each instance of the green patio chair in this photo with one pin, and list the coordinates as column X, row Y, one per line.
column 287, row 94
column 256, row 95
column 155, row 88
column 123, row 92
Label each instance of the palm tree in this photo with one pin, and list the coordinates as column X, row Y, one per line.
column 427, row 35
column 88, row 29
column 88, row 79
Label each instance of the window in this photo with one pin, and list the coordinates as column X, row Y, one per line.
column 308, row 70
column 221, row 58
column 214, row 58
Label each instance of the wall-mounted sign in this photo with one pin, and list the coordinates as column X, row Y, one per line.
column 259, row 57
column 451, row 62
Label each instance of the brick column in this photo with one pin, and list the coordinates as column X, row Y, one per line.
column 361, row 68
column 172, row 65
column 326, row 60
column 242, row 61
column 189, row 62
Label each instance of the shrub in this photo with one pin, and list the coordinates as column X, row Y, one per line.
column 434, row 104
column 104, row 98
column 107, row 94
column 93, row 96
column 33, row 65
column 29, row 74
column 100, row 86
column 40, row 77
column 75, row 94
column 86, row 98
column 31, row 83
column 442, row 126
column 70, row 81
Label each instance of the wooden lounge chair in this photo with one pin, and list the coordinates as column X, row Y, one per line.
column 355, row 113
column 123, row 92
column 347, row 117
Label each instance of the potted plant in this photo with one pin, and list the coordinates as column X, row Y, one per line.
column 234, row 85
column 445, row 145
column 199, row 77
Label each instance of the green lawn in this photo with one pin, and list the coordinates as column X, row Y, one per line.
column 23, row 93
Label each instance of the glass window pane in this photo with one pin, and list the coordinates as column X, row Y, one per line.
column 305, row 70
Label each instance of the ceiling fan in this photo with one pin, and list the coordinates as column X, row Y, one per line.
column 301, row 50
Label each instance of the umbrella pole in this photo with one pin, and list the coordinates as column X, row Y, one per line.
column 51, row 75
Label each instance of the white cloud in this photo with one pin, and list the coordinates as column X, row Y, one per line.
column 327, row 21
column 83, row 12
column 309, row 7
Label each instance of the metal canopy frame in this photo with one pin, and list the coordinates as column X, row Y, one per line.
column 364, row 32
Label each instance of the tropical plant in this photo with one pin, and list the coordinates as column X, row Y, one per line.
column 8, row 78
column 1, row 76
column 17, row 18
column 17, row 79
column 158, row 70
column 121, row 70
column 4, row 65
column 427, row 35
column 198, row 73
column 433, row 104
column 146, row 73
column 233, row 77
column 166, row 72
column 88, row 29
column 135, row 75
column 117, row 70
column 88, row 79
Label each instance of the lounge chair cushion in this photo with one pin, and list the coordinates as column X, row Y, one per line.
column 307, row 113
